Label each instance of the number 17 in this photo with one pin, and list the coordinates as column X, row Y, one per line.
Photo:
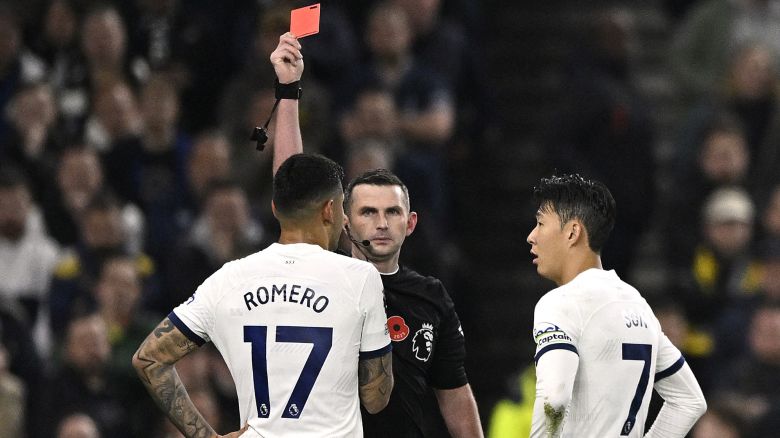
column 320, row 337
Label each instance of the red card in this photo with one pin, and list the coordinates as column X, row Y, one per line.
column 305, row 21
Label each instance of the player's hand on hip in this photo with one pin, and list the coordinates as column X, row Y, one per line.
column 235, row 434
column 287, row 59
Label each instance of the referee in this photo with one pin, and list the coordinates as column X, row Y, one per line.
column 428, row 343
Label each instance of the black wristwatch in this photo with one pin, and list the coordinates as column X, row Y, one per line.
column 288, row 91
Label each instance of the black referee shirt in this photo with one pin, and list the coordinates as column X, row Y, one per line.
column 428, row 351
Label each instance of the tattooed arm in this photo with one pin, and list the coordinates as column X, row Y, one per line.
column 154, row 362
column 375, row 377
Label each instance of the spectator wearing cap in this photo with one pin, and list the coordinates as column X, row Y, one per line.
column 722, row 268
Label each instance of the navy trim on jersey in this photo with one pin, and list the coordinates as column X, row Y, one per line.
column 376, row 353
column 671, row 370
column 547, row 348
column 192, row 336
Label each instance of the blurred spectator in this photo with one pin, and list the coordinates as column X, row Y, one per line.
column 208, row 162
column 224, row 231
column 18, row 66
column 13, row 395
column 751, row 96
column 605, row 131
column 22, row 360
column 28, row 255
column 373, row 116
column 441, row 43
column 423, row 97
column 770, row 219
column 118, row 293
column 102, row 234
column 723, row 268
column 731, row 342
column 57, row 43
column 150, row 168
column 723, row 160
column 57, row 40
column 114, row 118
column 711, row 34
column 101, row 63
column 84, row 382
column 369, row 132
column 104, row 46
column 188, row 42
column 79, row 178
column 33, row 140
column 757, row 375
column 368, row 155
column 78, row 425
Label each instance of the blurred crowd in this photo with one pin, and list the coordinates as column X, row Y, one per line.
column 709, row 199
column 127, row 176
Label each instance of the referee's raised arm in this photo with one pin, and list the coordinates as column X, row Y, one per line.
column 287, row 60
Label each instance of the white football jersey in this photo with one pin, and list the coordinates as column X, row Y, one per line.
column 622, row 352
column 291, row 322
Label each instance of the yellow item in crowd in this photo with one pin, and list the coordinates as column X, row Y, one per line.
column 512, row 418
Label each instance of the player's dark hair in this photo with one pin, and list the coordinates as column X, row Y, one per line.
column 572, row 196
column 304, row 181
column 375, row 177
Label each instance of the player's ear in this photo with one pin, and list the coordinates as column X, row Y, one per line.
column 327, row 211
column 411, row 223
column 273, row 210
column 575, row 232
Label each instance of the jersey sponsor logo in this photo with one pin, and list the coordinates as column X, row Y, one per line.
column 548, row 333
column 422, row 343
column 397, row 328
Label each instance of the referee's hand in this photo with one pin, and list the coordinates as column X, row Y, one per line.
column 287, row 59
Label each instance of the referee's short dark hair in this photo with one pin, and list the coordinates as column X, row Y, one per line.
column 375, row 177
column 572, row 196
column 303, row 181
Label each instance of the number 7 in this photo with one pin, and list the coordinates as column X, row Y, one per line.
column 322, row 340
column 643, row 352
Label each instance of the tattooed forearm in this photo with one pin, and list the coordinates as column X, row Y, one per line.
column 154, row 364
column 375, row 379
column 166, row 326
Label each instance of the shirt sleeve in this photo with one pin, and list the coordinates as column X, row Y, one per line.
column 555, row 326
column 448, row 370
column 669, row 361
column 683, row 405
column 375, row 339
column 195, row 317
column 555, row 375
